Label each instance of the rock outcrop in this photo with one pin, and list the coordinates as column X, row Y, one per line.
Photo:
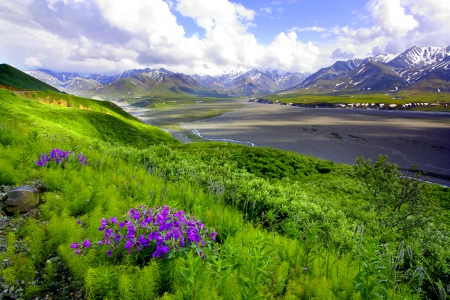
column 22, row 199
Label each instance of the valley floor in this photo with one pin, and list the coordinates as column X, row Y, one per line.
column 340, row 135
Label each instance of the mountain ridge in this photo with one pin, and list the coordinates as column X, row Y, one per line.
column 421, row 68
column 231, row 84
column 409, row 69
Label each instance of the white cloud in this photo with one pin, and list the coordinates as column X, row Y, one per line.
column 339, row 54
column 266, row 10
column 398, row 25
column 312, row 28
column 32, row 62
column 390, row 16
column 112, row 36
column 389, row 20
column 286, row 52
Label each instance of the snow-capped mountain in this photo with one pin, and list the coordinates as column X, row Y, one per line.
column 423, row 68
column 383, row 58
column 45, row 77
column 251, row 81
column 417, row 57
column 416, row 68
column 71, row 83
column 338, row 69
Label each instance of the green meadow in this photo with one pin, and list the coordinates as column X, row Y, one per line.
column 288, row 226
column 396, row 97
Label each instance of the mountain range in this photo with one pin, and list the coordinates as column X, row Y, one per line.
column 162, row 82
column 418, row 68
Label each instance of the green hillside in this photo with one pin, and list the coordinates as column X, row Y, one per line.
column 244, row 222
column 80, row 119
column 12, row 78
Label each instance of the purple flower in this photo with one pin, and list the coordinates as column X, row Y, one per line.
column 128, row 245
column 117, row 238
column 57, row 155
column 161, row 228
column 108, row 233
column 81, row 159
column 86, row 243
column 135, row 214
column 160, row 251
column 104, row 224
column 43, row 160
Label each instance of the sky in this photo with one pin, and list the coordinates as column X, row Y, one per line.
column 211, row 37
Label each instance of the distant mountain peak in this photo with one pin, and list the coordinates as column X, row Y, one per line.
column 426, row 68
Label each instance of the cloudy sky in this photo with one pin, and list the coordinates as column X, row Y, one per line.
column 212, row 36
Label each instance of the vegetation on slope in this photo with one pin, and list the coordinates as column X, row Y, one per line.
column 304, row 229
column 58, row 114
column 12, row 78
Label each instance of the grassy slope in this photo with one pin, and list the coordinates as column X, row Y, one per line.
column 15, row 79
column 308, row 208
column 98, row 120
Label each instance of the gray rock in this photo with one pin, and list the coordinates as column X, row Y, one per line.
column 5, row 188
column 33, row 213
column 21, row 199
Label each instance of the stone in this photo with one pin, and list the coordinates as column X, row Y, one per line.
column 21, row 199
column 5, row 188
column 34, row 213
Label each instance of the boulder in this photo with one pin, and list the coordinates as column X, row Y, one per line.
column 22, row 199
column 5, row 188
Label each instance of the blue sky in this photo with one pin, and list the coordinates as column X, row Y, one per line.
column 212, row 36
column 273, row 17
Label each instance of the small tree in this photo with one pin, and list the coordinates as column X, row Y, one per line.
column 401, row 200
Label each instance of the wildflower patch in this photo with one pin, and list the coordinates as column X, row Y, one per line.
column 157, row 232
column 60, row 157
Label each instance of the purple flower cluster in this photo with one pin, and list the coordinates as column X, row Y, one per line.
column 59, row 156
column 78, row 246
column 161, row 230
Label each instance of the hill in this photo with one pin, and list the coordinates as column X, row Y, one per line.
column 78, row 118
column 14, row 79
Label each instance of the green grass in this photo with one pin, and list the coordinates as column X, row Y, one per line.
column 14, row 79
column 98, row 120
column 399, row 97
column 285, row 222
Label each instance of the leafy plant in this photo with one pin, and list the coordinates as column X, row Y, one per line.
column 401, row 201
